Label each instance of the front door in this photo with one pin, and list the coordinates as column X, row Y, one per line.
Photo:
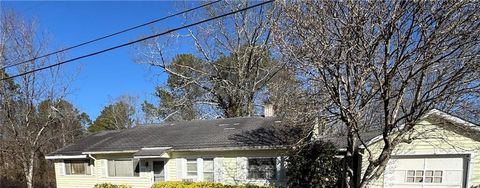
column 158, row 171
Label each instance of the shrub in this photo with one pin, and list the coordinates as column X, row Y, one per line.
column 476, row 186
column 313, row 164
column 109, row 185
column 179, row 184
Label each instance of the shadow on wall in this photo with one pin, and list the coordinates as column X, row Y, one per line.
column 238, row 175
column 274, row 135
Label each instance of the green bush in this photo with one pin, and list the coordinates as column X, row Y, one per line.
column 313, row 164
column 109, row 185
column 179, row 184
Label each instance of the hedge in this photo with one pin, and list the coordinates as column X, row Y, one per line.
column 109, row 185
column 179, row 184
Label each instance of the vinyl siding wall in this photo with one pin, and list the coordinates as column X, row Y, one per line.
column 434, row 139
column 234, row 165
column 73, row 181
column 230, row 168
column 100, row 175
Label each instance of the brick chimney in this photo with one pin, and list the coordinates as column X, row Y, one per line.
column 268, row 110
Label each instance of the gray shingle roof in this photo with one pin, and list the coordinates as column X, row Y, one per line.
column 195, row 134
column 456, row 124
column 340, row 141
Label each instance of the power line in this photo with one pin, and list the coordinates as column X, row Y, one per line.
column 113, row 34
column 139, row 40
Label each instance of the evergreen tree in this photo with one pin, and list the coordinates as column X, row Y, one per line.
column 119, row 115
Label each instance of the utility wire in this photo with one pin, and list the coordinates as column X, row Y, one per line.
column 111, row 35
column 139, row 40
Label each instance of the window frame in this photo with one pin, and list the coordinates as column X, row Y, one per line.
column 135, row 174
column 88, row 164
column 213, row 168
column 189, row 160
column 275, row 173
column 424, row 176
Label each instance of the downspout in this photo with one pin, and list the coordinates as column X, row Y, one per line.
column 94, row 160
column 90, row 155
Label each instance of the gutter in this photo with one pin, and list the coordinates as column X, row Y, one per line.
column 232, row 148
column 109, row 152
column 66, row 157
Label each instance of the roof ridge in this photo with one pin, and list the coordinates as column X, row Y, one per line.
column 199, row 120
column 451, row 117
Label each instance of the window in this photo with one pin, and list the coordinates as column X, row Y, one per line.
column 415, row 176
column 262, row 168
column 77, row 167
column 208, row 174
column 123, row 167
column 191, row 167
column 424, row 176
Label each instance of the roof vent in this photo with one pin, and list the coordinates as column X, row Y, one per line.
column 236, row 124
column 229, row 128
column 223, row 124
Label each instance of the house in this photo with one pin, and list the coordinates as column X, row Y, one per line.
column 445, row 153
column 200, row 150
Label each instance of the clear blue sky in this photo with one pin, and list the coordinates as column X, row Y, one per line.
column 104, row 77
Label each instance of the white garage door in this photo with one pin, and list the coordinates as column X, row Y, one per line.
column 424, row 172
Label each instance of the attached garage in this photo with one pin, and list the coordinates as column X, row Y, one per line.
column 445, row 153
column 425, row 171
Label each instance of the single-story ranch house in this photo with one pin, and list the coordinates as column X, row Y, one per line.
column 445, row 154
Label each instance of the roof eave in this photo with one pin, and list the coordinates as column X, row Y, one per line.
column 437, row 113
column 109, row 152
column 54, row 157
column 234, row 148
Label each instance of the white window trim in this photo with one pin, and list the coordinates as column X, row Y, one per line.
column 203, row 170
column 218, row 169
column 61, row 169
column 180, row 166
column 108, row 173
column 200, row 172
column 91, row 166
column 261, row 179
column 424, row 176
column 199, row 169
column 186, row 176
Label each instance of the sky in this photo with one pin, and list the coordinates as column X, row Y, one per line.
column 98, row 80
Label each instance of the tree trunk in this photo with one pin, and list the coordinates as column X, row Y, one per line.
column 29, row 170
column 349, row 160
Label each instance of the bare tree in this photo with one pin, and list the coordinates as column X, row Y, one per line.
column 23, row 124
column 232, row 64
column 382, row 65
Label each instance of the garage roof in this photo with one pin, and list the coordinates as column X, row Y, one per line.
column 455, row 123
